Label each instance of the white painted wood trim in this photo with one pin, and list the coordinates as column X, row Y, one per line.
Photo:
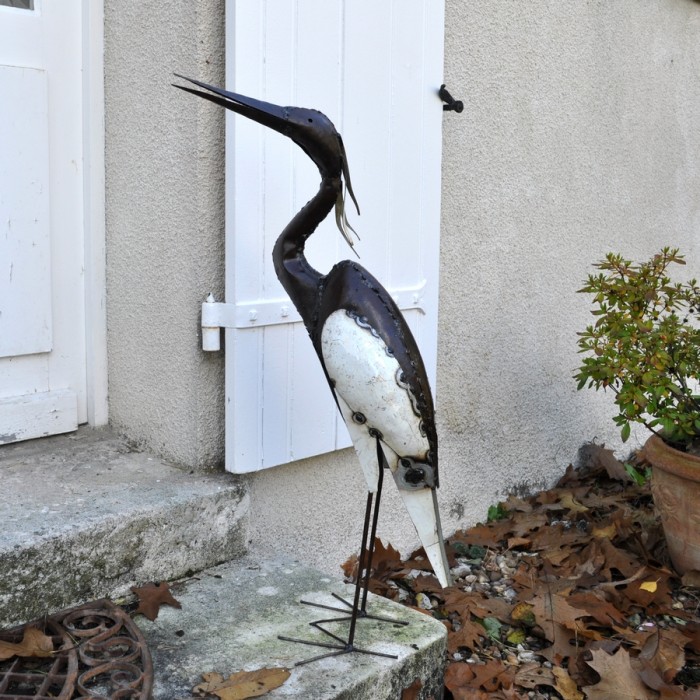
column 94, row 211
column 37, row 415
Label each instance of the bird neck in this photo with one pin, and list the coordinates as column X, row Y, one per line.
column 299, row 279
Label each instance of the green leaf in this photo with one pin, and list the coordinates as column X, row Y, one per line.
column 639, row 477
column 497, row 512
column 516, row 636
column 492, row 627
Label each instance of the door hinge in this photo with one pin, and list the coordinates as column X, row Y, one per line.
column 269, row 312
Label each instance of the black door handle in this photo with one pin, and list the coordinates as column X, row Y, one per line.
column 451, row 105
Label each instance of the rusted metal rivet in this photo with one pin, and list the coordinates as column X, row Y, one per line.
column 414, row 476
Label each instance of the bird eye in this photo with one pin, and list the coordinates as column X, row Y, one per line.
column 311, row 121
column 359, row 418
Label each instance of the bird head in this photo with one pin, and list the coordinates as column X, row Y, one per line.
column 310, row 129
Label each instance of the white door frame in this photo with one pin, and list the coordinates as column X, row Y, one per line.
column 94, row 210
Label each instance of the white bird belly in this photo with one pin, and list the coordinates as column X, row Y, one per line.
column 367, row 378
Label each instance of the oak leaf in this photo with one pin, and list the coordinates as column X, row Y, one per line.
column 665, row 653
column 565, row 685
column 568, row 501
column 597, row 456
column 518, row 543
column 349, row 567
column 242, row 685
column 466, row 636
column 384, row 557
column 151, row 597
column 644, row 594
column 549, row 609
column 615, row 558
column 34, row 643
column 617, row 678
column 552, row 537
column 427, row 584
column 595, row 606
column 459, row 676
column 532, row 675
column 524, row 524
column 564, row 644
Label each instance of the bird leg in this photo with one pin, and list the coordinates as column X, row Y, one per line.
column 366, row 554
column 358, row 608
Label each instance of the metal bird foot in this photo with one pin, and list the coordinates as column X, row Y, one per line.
column 361, row 613
column 358, row 608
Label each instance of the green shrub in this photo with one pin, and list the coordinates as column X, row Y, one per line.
column 645, row 345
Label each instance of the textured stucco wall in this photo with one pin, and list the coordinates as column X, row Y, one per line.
column 579, row 136
column 165, row 189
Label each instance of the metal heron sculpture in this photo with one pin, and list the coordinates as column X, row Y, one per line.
column 367, row 351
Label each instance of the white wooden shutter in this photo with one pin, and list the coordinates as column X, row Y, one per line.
column 374, row 68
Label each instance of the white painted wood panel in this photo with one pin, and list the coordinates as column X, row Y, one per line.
column 42, row 308
column 374, row 69
column 37, row 415
column 25, row 272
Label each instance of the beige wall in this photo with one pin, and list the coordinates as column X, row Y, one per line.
column 579, row 136
column 165, row 217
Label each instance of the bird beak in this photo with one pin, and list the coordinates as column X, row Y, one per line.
column 265, row 113
column 422, row 507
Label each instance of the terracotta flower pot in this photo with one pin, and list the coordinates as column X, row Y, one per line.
column 675, row 485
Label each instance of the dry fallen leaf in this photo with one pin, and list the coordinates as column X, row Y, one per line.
column 664, row 652
column 242, row 685
column 532, row 675
column 565, row 685
column 523, row 614
column 607, row 531
column 691, row 578
column 458, row 675
column 568, row 501
column 617, row 678
column 413, row 690
column 597, row 455
column 594, row 580
column 34, row 643
column 151, row 597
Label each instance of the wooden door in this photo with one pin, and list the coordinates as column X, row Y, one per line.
column 42, row 295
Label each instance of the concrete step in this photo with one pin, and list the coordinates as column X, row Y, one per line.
column 85, row 516
column 232, row 615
